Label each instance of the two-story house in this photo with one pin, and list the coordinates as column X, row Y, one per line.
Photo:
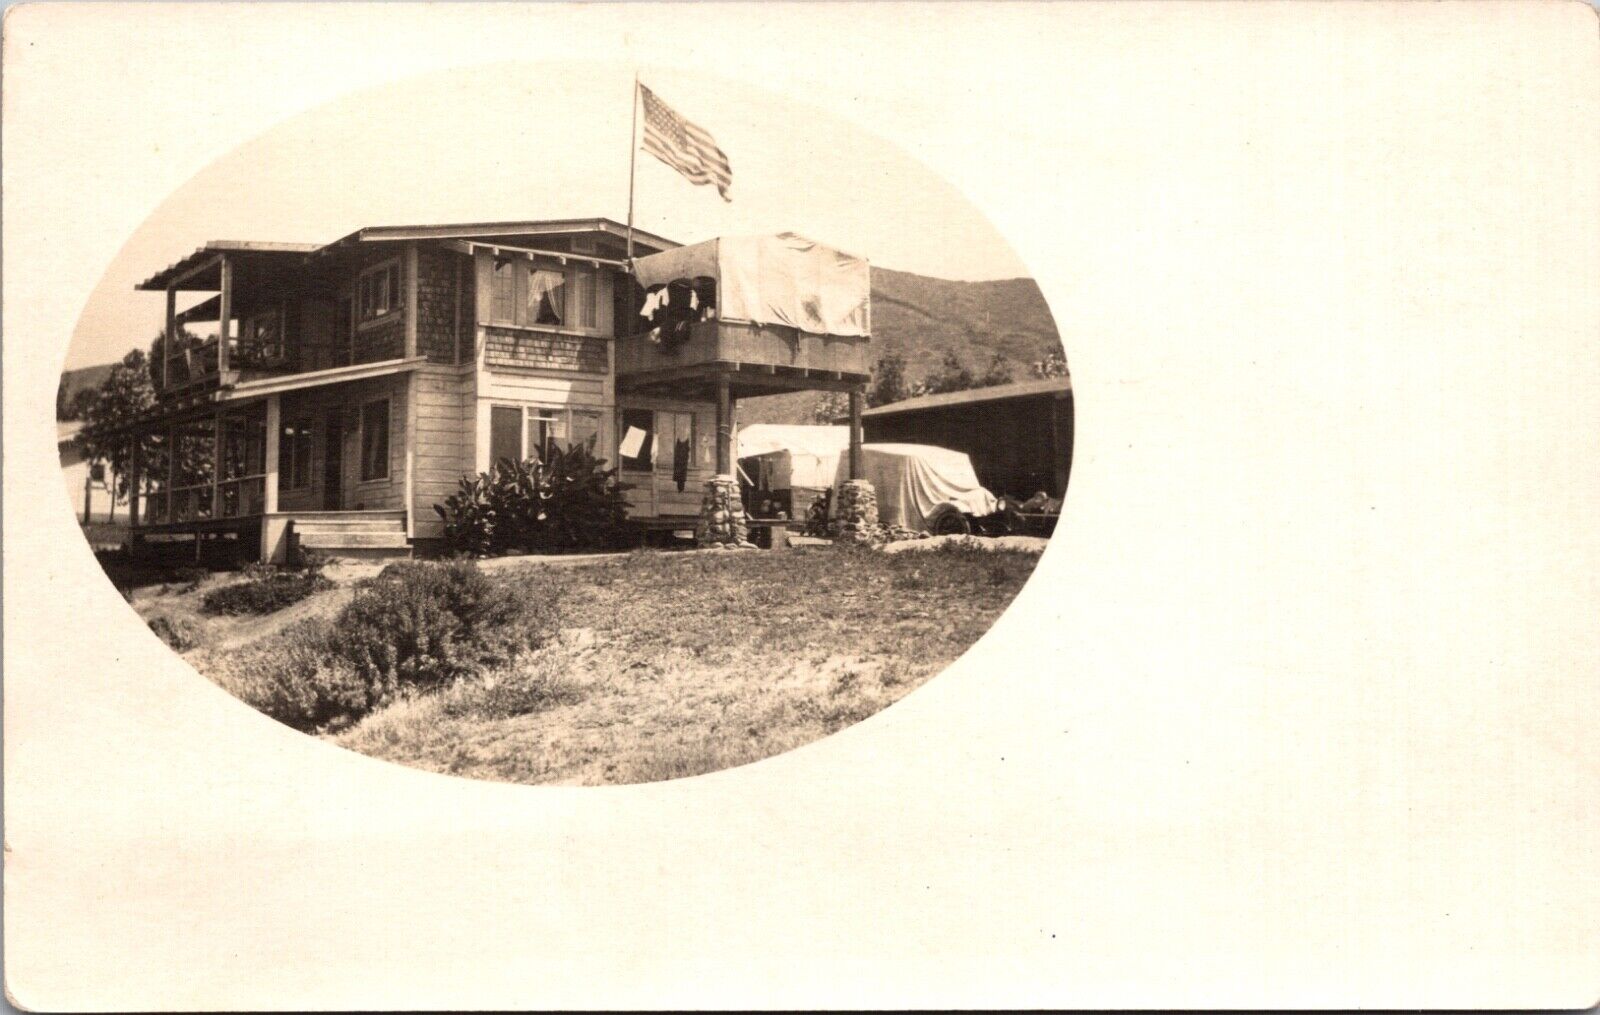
column 329, row 396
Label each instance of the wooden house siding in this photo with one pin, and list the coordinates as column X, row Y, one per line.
column 443, row 437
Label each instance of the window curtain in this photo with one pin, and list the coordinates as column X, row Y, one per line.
column 546, row 297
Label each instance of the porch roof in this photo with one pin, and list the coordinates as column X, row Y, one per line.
column 201, row 271
column 200, row 404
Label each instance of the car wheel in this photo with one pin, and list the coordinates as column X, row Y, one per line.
column 947, row 520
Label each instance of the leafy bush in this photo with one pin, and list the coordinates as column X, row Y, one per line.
column 568, row 502
column 265, row 589
column 180, row 633
column 297, row 678
column 423, row 624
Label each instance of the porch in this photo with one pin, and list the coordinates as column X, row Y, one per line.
column 314, row 462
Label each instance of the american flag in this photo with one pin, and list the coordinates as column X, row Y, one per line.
column 683, row 146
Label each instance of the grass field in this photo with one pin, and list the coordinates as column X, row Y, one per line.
column 674, row 664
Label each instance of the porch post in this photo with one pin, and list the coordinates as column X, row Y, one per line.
column 171, row 340
column 855, row 432
column 216, row 466
column 224, row 315
column 269, row 496
column 724, row 428
column 272, row 529
column 410, row 283
column 135, row 477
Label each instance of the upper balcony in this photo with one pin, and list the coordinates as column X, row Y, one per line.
column 768, row 313
column 272, row 313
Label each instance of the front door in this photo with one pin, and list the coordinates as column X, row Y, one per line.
column 333, row 464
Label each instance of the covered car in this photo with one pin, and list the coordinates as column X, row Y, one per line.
column 922, row 487
column 789, row 464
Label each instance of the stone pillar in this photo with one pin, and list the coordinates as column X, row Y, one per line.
column 722, row 515
column 856, row 516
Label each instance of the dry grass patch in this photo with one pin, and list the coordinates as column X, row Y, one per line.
column 694, row 662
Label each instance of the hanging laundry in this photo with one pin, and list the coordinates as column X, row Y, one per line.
column 680, row 463
column 652, row 302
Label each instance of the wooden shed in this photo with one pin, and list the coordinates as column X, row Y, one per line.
column 1019, row 436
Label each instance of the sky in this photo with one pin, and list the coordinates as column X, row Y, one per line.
column 525, row 141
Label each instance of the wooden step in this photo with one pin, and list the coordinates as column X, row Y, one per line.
column 351, row 540
column 364, row 525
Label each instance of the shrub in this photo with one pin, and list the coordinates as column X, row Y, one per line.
column 423, row 624
column 510, row 693
column 180, row 633
column 570, row 501
column 297, row 678
column 265, row 589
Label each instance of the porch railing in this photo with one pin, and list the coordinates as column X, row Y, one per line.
column 231, row 498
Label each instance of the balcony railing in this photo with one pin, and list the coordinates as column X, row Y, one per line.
column 717, row 341
column 198, row 362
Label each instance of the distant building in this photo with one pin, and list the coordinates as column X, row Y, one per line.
column 1019, row 436
column 82, row 484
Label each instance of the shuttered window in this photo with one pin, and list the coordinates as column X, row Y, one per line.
column 505, row 434
column 502, row 305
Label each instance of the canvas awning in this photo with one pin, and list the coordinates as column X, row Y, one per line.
column 782, row 279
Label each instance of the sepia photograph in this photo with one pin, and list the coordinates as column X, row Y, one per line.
column 442, row 492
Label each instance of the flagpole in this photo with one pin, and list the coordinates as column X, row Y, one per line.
column 633, row 158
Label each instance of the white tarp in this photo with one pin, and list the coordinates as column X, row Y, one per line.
column 794, row 454
column 913, row 479
column 781, row 279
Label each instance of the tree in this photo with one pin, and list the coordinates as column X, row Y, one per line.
column 81, row 400
column 999, row 372
column 889, row 382
column 1053, row 365
column 124, row 394
column 952, row 375
column 830, row 408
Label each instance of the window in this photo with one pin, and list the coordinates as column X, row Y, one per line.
column 531, row 295
column 585, row 429
column 585, row 298
column 375, row 440
column 262, row 337
column 547, row 298
column 546, row 428
column 637, row 435
column 523, row 432
column 379, row 293
column 294, row 455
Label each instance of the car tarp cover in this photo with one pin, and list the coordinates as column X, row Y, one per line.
column 796, row 454
column 913, row 479
column 781, row 279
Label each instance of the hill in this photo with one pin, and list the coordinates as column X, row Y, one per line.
column 923, row 319
column 84, row 379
